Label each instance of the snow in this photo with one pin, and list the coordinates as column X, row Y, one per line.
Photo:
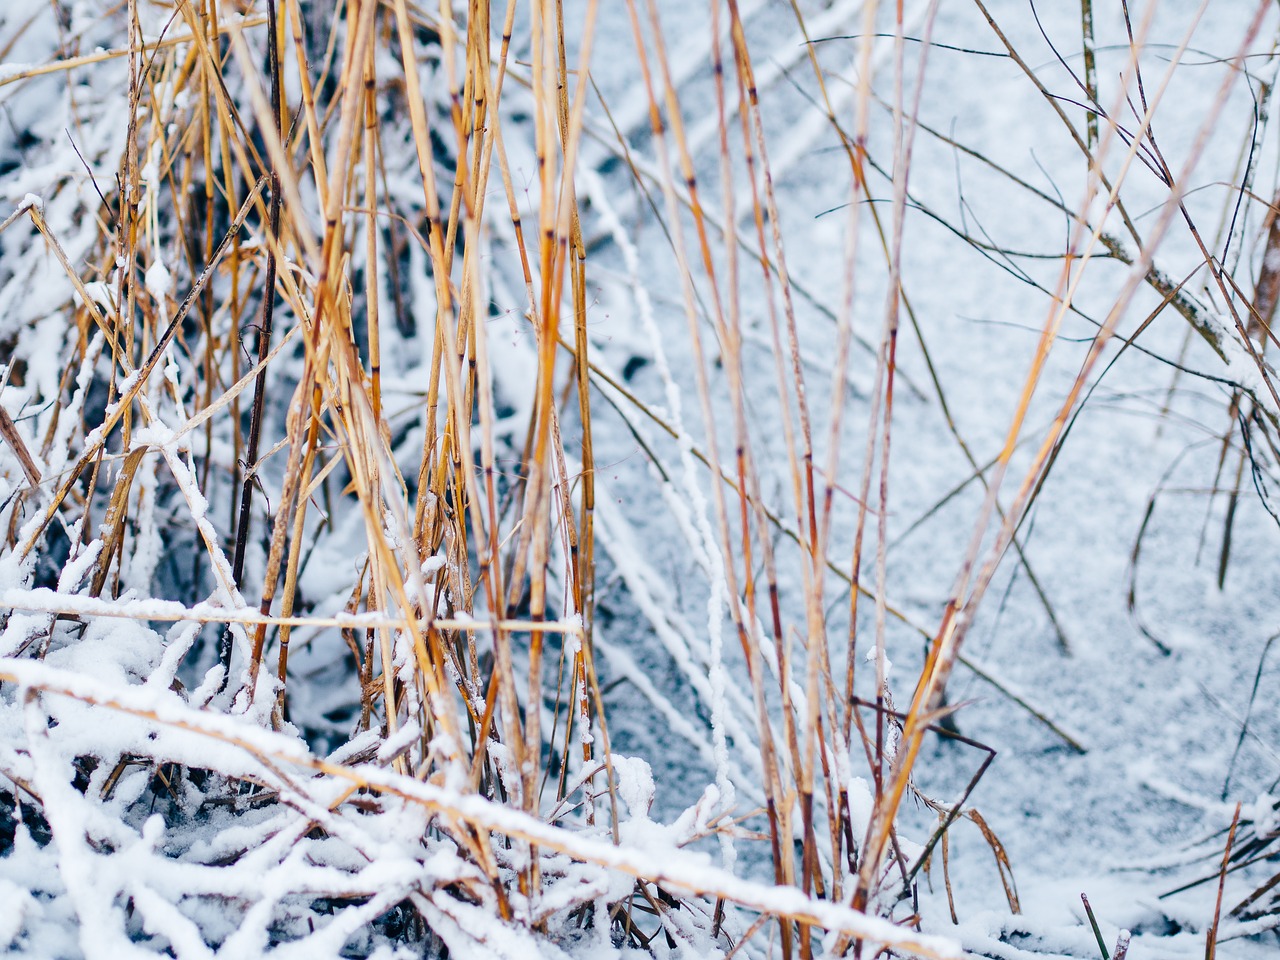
column 8, row 71
column 101, row 294
column 173, row 819
column 149, row 609
column 873, row 655
column 399, row 742
column 676, row 868
column 635, row 785
column 159, row 281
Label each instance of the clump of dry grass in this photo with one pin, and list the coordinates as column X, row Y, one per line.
column 225, row 367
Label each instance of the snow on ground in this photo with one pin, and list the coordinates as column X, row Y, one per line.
column 1160, row 729
column 1155, row 695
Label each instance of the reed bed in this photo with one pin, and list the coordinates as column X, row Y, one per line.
column 306, row 531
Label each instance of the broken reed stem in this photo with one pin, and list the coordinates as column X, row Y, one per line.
column 1093, row 923
column 1211, row 937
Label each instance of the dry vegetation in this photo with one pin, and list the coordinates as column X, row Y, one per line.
column 301, row 515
